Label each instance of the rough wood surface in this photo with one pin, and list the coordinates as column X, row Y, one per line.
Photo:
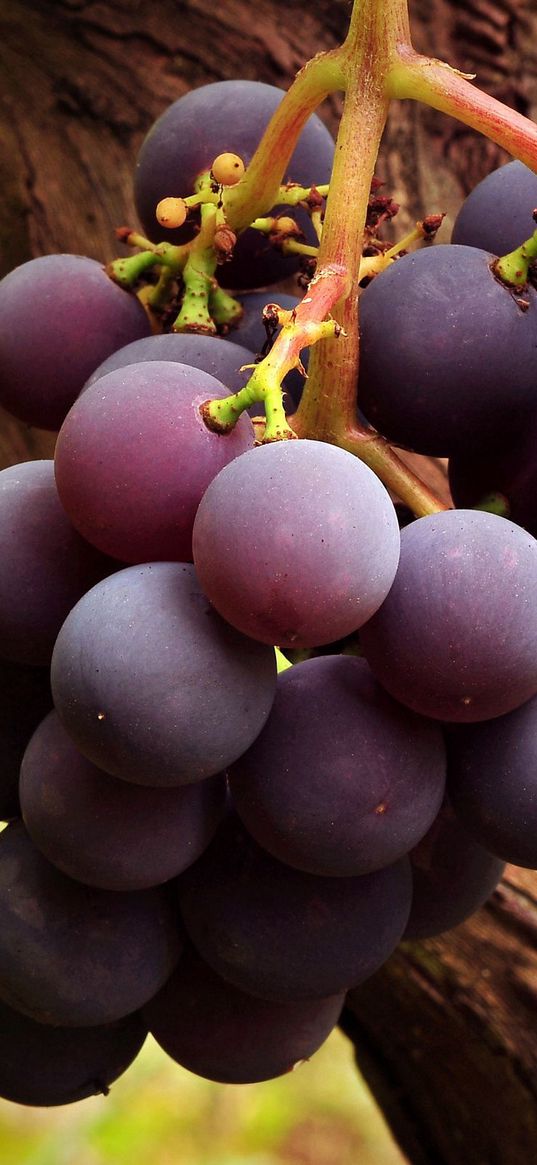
column 446, row 1032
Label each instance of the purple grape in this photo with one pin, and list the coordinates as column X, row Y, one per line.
column 105, row 832
column 43, row 1065
column 452, row 877
column 281, row 934
column 72, row 955
column 66, row 309
column 296, row 543
column 191, row 133
column 45, row 565
column 134, row 457
column 497, row 214
column 456, row 638
column 25, row 698
column 345, row 792
column 447, row 355
column 210, row 353
column 493, row 783
column 152, row 685
column 507, row 467
column 223, row 1034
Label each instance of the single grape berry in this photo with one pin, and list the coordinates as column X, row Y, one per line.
column 171, row 212
column 227, row 169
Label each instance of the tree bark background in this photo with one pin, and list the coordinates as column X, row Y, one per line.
column 445, row 1033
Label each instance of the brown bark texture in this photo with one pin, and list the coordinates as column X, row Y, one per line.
column 445, row 1033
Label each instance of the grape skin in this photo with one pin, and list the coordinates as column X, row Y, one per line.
column 452, row 877
column 103, row 831
column 493, row 783
column 497, row 214
column 72, row 955
column 446, row 353
column 152, row 685
column 45, row 565
column 25, row 698
column 282, row 934
column 43, row 1065
column 296, row 543
column 211, row 354
column 347, row 792
column 65, row 308
column 456, row 638
column 134, row 457
column 186, row 139
column 223, row 1034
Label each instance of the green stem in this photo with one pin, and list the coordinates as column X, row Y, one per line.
column 259, row 188
column 514, row 268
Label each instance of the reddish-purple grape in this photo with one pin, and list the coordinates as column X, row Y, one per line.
column 60, row 316
column 296, row 543
column 134, row 457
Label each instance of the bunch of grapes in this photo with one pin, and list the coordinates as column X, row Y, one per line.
column 254, row 733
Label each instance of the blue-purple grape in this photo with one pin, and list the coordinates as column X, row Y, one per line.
column 456, row 638
column 280, row 933
column 447, row 354
column 506, row 467
column 191, row 133
column 72, row 955
column 345, row 792
column 134, row 457
column 493, row 783
column 224, row 1034
column 106, row 832
column 60, row 316
column 152, row 685
column 296, row 543
column 45, row 564
column 497, row 215
column 43, row 1066
column 452, row 877
column 210, row 353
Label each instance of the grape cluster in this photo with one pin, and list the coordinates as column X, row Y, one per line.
column 196, row 845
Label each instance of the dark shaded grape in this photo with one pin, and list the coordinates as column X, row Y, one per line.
column 493, row 783
column 103, row 831
column 446, row 352
column 25, row 698
column 65, row 309
column 507, row 467
column 43, row 1065
column 452, row 877
column 345, row 792
column 279, row 933
column 75, row 956
column 134, row 457
column 191, row 133
column 306, row 533
column 210, row 353
column 497, row 214
column 45, row 565
column 223, row 1034
column 152, row 685
column 456, row 638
